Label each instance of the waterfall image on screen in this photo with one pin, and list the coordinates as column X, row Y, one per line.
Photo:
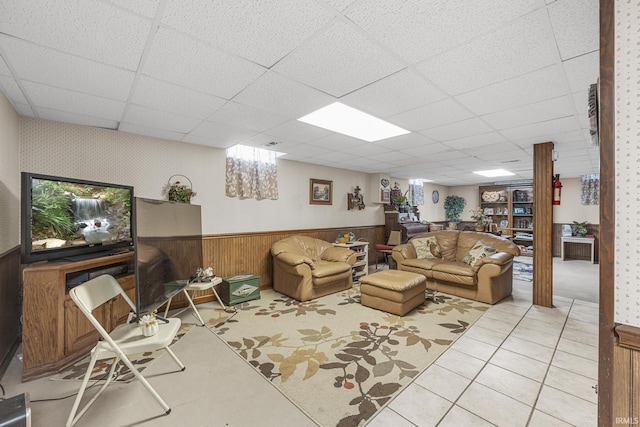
column 168, row 249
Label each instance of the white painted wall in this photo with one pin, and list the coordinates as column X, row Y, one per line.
column 627, row 163
column 9, row 176
column 571, row 208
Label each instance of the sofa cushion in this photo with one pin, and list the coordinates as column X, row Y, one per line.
column 427, row 247
column 479, row 250
column 329, row 268
column 455, row 272
column 424, row 265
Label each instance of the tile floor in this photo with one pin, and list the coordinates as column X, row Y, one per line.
column 518, row 365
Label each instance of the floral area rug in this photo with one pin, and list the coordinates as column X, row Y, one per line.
column 141, row 361
column 522, row 271
column 338, row 361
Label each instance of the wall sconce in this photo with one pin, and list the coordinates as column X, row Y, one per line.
column 355, row 199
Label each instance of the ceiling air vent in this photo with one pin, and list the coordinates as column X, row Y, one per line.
column 271, row 144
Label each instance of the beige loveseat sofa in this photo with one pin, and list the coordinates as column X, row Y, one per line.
column 485, row 274
column 305, row 268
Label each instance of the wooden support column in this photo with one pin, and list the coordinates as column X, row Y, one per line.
column 543, row 224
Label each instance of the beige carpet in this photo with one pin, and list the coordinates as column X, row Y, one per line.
column 338, row 361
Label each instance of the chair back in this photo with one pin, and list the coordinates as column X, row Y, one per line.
column 95, row 292
column 395, row 238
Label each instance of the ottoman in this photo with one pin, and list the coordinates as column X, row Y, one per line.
column 393, row 291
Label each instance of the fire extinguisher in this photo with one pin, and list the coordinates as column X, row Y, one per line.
column 557, row 186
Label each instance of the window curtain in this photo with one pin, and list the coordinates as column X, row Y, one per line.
column 591, row 189
column 251, row 173
column 415, row 196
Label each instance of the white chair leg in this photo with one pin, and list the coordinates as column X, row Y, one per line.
column 213, row 289
column 72, row 416
column 145, row 383
column 175, row 358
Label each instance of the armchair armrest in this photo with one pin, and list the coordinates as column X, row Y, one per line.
column 338, row 254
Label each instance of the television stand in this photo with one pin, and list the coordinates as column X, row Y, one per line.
column 55, row 333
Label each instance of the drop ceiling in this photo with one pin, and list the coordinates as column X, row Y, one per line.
column 476, row 83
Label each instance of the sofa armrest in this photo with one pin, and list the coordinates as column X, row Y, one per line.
column 294, row 259
column 338, row 254
column 499, row 258
column 402, row 252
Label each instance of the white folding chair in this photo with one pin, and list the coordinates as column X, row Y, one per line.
column 124, row 340
column 197, row 286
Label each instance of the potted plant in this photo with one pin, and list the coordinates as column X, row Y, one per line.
column 478, row 216
column 453, row 207
column 178, row 192
column 579, row 229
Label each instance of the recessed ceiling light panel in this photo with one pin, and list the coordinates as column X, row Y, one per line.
column 346, row 120
column 494, row 173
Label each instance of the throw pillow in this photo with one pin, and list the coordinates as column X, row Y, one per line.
column 479, row 250
column 427, row 247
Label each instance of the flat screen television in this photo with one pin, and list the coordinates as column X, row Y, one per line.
column 168, row 250
column 74, row 219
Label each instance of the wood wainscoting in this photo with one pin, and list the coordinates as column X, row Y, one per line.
column 231, row 254
column 626, row 371
column 10, row 305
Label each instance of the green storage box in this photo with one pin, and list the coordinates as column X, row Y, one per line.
column 240, row 288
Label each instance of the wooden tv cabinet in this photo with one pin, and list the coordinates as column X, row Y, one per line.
column 55, row 333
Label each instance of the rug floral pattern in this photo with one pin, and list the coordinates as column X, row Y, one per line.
column 339, row 361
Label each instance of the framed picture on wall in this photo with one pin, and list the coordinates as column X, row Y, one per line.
column 385, row 195
column 320, row 192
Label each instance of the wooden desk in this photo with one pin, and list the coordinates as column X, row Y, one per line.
column 582, row 240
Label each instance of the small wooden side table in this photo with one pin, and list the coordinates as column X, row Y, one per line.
column 582, row 240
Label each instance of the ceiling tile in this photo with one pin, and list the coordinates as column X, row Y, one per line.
column 549, row 127
column 338, row 60
column 4, row 69
column 263, row 32
column 47, row 66
column 73, row 102
column 23, row 109
column 216, row 131
column 294, row 130
column 278, row 94
column 461, row 129
column 12, row 90
column 148, row 117
column 582, row 71
column 243, row 116
column 189, row 63
column 401, row 24
column 340, row 5
column 338, row 142
column 80, row 119
column 576, row 26
column 432, row 115
column 206, row 141
column 531, row 113
column 400, row 92
column 475, row 141
column 171, row 98
column 152, row 132
column 406, row 141
column 147, row 8
column 91, row 29
column 536, row 86
column 525, row 45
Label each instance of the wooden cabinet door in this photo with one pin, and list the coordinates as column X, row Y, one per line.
column 79, row 332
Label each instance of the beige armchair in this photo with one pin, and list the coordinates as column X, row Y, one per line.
column 305, row 268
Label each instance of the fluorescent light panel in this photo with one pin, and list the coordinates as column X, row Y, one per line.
column 494, row 172
column 346, row 120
